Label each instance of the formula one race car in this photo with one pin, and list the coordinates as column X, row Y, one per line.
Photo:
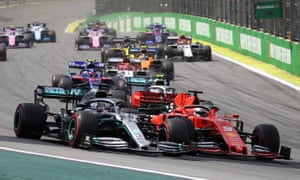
column 193, row 126
column 142, row 81
column 155, row 34
column 144, row 58
column 148, row 61
column 3, row 55
column 16, row 37
column 90, row 75
column 85, row 121
column 101, row 26
column 119, row 50
column 182, row 46
column 93, row 37
column 142, row 99
column 41, row 33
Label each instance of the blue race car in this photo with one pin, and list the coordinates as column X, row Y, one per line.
column 41, row 33
column 154, row 34
column 90, row 75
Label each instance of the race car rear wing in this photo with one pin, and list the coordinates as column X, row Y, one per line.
column 151, row 26
column 124, row 40
column 144, row 98
column 36, row 24
column 83, row 64
column 17, row 29
column 42, row 92
column 135, row 51
column 138, row 81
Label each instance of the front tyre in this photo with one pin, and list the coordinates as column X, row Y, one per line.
column 178, row 130
column 81, row 124
column 266, row 135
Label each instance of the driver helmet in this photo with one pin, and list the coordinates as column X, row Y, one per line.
column 91, row 74
column 100, row 107
column 201, row 111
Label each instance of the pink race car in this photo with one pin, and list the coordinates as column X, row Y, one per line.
column 16, row 37
column 95, row 38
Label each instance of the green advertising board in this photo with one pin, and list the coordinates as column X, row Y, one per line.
column 268, row 9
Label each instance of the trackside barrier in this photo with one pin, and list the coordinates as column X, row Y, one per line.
column 270, row 49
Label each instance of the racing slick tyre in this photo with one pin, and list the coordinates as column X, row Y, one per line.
column 82, row 123
column 29, row 120
column 52, row 35
column 266, row 135
column 160, row 51
column 207, row 53
column 141, row 37
column 105, row 54
column 178, row 130
column 81, row 41
column 168, row 52
column 65, row 83
column 28, row 38
column 112, row 32
column 3, row 55
column 56, row 78
column 168, row 68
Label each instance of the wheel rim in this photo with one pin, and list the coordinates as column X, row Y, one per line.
column 71, row 132
column 17, row 120
column 164, row 133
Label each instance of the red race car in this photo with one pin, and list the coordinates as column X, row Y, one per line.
column 192, row 125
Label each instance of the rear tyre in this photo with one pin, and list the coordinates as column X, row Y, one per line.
column 56, row 78
column 65, row 83
column 168, row 68
column 52, row 35
column 266, row 135
column 207, row 53
column 3, row 55
column 140, row 37
column 28, row 38
column 81, row 124
column 29, row 120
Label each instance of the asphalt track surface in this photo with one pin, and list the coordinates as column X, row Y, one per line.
column 234, row 89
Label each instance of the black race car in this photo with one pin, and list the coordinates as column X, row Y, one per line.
column 88, row 119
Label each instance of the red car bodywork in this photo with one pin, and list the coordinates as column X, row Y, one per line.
column 212, row 133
